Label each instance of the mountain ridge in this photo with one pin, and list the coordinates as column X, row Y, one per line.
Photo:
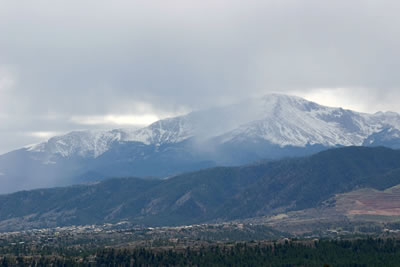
column 270, row 127
column 177, row 129
column 209, row 195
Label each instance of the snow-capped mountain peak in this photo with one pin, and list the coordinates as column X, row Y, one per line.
column 289, row 120
column 171, row 130
column 270, row 127
column 278, row 119
column 82, row 143
column 95, row 143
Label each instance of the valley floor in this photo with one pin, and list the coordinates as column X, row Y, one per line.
column 227, row 244
column 355, row 252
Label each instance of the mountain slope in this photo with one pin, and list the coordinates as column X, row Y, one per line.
column 271, row 127
column 279, row 119
column 222, row 193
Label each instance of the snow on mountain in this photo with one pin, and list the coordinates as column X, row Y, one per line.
column 294, row 121
column 278, row 119
column 389, row 137
column 82, row 143
column 95, row 143
column 388, row 118
column 271, row 127
column 171, row 130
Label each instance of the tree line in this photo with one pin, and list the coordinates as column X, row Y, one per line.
column 365, row 252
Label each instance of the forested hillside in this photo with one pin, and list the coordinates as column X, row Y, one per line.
column 222, row 193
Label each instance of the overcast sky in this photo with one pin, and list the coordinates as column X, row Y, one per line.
column 91, row 64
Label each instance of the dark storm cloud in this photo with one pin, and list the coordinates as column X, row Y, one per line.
column 71, row 59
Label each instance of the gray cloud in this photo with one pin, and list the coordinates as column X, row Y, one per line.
column 65, row 59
